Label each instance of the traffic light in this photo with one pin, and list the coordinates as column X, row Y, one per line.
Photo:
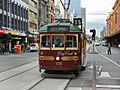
column 93, row 33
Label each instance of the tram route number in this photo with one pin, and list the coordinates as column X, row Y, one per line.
column 58, row 63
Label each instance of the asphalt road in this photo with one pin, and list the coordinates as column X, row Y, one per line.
column 11, row 61
column 109, row 79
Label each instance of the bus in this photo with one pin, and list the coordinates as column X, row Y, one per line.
column 62, row 47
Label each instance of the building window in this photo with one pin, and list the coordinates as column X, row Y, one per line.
column 33, row 3
column 16, row 24
column 43, row 12
column 0, row 4
column 5, row 5
column 15, row 9
column 33, row 25
column 33, row 14
column 0, row 19
column 26, row 14
column 27, row 26
column 21, row 12
column 12, row 23
column 115, row 18
column 18, row 10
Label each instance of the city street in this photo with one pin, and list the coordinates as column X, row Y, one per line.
column 20, row 72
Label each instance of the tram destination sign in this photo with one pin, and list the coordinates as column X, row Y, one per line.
column 58, row 28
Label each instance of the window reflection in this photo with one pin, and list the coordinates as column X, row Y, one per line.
column 45, row 41
column 71, row 41
column 57, row 41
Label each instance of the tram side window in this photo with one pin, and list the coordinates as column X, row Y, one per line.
column 45, row 43
column 57, row 41
column 71, row 41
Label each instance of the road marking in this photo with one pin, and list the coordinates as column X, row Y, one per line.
column 108, row 86
column 61, row 87
column 74, row 88
column 104, row 74
column 109, row 60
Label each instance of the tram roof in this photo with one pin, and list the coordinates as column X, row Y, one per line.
column 71, row 27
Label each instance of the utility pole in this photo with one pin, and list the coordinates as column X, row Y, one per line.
column 66, row 7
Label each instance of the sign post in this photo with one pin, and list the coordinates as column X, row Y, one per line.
column 78, row 22
column 10, row 38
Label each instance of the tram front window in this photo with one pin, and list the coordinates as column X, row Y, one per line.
column 71, row 41
column 57, row 41
column 45, row 41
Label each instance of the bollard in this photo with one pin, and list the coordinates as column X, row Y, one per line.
column 100, row 70
column 94, row 77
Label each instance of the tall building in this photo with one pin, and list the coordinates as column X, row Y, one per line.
column 32, row 19
column 51, row 11
column 76, row 6
column 13, row 21
column 113, row 24
column 59, row 10
column 83, row 16
column 103, row 32
column 43, row 9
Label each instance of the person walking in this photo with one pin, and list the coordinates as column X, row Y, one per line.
column 0, row 48
column 109, row 49
column 3, row 48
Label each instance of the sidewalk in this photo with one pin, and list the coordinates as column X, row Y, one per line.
column 109, row 79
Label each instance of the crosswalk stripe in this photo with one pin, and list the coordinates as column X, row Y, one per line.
column 108, row 86
column 74, row 88
column 104, row 74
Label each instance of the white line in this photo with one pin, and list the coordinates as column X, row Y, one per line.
column 62, row 87
column 108, row 86
column 104, row 74
column 74, row 88
column 109, row 60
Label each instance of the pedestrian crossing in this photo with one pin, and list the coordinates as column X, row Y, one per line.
column 98, row 87
column 104, row 75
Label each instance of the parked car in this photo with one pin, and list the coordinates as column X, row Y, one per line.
column 97, row 43
column 104, row 43
column 33, row 47
column 119, row 45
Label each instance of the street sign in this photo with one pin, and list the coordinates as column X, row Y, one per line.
column 77, row 21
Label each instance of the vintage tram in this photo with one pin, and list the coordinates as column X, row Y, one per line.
column 62, row 47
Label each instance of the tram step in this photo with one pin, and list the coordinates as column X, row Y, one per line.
column 57, row 75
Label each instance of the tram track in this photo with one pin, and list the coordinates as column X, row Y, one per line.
column 50, row 84
column 17, row 71
column 14, row 67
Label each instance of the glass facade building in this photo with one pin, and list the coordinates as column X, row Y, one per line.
column 75, row 7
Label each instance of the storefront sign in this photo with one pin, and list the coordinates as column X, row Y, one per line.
column 2, row 31
column 14, row 33
column 6, row 31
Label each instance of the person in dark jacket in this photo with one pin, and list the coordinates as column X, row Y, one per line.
column 109, row 49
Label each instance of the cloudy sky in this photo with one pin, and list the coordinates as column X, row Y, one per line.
column 97, row 12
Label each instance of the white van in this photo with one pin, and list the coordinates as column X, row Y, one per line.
column 33, row 47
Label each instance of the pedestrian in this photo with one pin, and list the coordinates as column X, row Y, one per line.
column 109, row 49
column 0, row 48
column 3, row 48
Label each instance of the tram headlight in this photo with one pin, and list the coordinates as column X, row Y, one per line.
column 41, row 53
column 75, row 53
column 57, row 58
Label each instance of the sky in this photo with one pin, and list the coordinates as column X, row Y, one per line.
column 96, row 13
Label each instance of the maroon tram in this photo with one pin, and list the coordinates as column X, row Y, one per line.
column 62, row 47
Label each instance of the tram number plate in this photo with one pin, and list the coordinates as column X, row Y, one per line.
column 58, row 63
